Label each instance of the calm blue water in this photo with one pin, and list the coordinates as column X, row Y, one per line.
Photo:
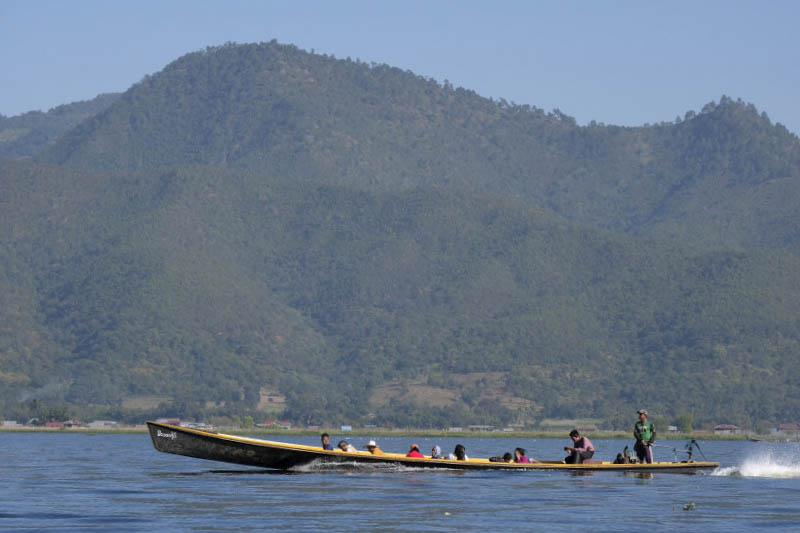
column 73, row 482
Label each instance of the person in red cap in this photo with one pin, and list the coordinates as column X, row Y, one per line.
column 645, row 434
column 414, row 452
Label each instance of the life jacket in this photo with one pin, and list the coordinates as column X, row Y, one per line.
column 415, row 453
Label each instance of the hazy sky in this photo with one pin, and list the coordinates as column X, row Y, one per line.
column 627, row 62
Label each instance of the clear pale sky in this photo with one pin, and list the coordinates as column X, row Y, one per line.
column 626, row 62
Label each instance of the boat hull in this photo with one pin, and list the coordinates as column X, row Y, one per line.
column 284, row 456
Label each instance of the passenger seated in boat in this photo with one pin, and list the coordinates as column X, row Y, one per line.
column 459, row 454
column 373, row 448
column 508, row 458
column 519, row 456
column 581, row 449
column 436, row 453
column 414, row 452
column 326, row 442
column 346, row 446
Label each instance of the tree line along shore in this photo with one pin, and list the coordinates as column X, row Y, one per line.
column 386, row 432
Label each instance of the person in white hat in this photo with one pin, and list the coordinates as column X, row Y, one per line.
column 373, row 448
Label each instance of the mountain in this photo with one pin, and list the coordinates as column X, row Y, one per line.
column 256, row 224
column 24, row 136
column 199, row 286
column 724, row 178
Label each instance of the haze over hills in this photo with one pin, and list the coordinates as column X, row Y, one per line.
column 375, row 246
column 24, row 136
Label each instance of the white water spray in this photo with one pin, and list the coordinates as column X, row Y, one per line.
column 764, row 465
column 320, row 465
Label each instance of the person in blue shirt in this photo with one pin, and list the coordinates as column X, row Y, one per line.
column 326, row 442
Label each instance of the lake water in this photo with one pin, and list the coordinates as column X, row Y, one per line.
column 75, row 482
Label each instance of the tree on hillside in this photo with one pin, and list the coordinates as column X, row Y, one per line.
column 684, row 422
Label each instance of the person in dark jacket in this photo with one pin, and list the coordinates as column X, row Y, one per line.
column 459, row 453
column 581, row 449
column 326, row 442
column 645, row 434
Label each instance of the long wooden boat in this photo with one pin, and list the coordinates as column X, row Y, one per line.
column 212, row 446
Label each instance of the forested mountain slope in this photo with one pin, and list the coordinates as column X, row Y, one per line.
column 376, row 247
column 725, row 177
column 24, row 136
column 204, row 284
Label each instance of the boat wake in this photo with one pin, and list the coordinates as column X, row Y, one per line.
column 319, row 465
column 763, row 465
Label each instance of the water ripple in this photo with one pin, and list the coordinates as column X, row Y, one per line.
column 118, row 482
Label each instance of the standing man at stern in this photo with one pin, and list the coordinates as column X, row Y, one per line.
column 645, row 434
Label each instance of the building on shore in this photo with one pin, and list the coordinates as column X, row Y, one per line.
column 786, row 429
column 726, row 429
column 102, row 424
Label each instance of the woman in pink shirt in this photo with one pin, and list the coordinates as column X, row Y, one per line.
column 519, row 456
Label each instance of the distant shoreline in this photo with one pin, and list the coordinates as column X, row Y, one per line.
column 378, row 432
